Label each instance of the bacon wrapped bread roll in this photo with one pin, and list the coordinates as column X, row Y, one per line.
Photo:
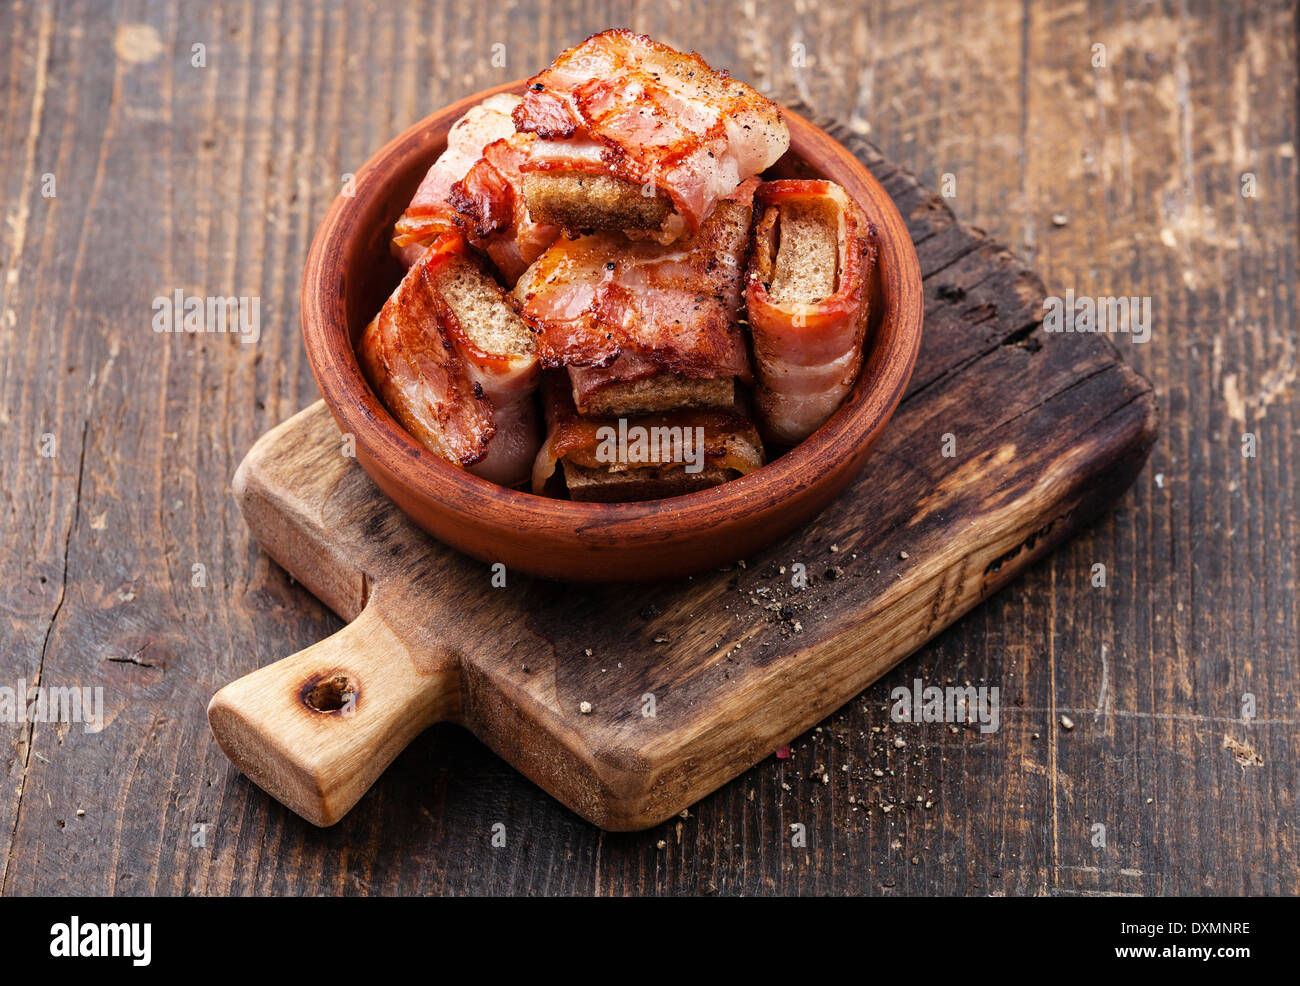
column 456, row 365
column 641, row 326
column 646, row 457
column 475, row 187
column 632, row 134
column 430, row 213
column 491, row 204
column 807, row 299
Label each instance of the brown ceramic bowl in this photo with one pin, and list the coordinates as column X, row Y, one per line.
column 350, row 272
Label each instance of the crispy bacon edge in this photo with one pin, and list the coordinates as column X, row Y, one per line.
column 422, row 226
column 377, row 352
column 491, row 210
column 418, row 230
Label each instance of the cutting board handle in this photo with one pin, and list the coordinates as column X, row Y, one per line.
column 316, row 729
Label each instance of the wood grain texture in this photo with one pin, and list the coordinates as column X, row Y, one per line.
column 214, row 180
column 629, row 703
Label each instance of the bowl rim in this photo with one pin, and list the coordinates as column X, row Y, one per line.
column 358, row 411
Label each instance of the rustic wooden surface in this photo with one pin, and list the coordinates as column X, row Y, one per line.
column 212, row 179
column 737, row 659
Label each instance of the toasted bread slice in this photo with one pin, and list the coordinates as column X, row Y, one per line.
column 486, row 316
column 646, row 327
column 662, row 392
column 577, row 201
column 601, row 486
column 807, row 260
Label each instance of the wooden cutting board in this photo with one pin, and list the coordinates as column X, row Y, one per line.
column 629, row 703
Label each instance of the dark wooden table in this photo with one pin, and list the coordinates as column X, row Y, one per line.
column 128, row 171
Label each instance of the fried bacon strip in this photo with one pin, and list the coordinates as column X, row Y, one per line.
column 431, row 368
column 491, row 202
column 630, row 309
column 623, row 105
column 406, row 356
column 807, row 299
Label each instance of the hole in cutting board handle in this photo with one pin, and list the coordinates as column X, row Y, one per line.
column 330, row 693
